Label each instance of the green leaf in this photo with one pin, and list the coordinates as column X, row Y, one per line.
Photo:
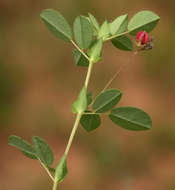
column 83, row 32
column 80, row 105
column 131, row 118
column 80, row 60
column 61, row 170
column 51, row 170
column 23, row 146
column 94, row 22
column 57, row 24
column 143, row 20
column 43, row 151
column 119, row 25
column 89, row 98
column 90, row 121
column 31, row 156
column 106, row 100
column 123, row 43
column 104, row 31
column 95, row 51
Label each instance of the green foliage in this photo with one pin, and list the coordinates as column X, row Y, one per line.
column 90, row 121
column 94, row 23
column 89, row 98
column 131, row 118
column 29, row 155
column 104, row 31
column 95, row 51
column 119, row 25
column 57, row 24
column 61, row 170
column 43, row 151
column 89, row 37
column 23, row 146
column 123, row 43
column 143, row 20
column 83, row 32
column 80, row 105
column 51, row 170
column 80, row 60
column 106, row 100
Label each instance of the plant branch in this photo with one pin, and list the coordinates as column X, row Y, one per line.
column 78, row 117
column 47, row 170
column 93, row 113
column 116, row 35
column 88, row 74
column 77, row 120
column 80, row 50
column 55, row 186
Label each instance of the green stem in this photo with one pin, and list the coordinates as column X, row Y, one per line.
column 77, row 120
column 116, row 35
column 80, row 50
column 55, row 186
column 78, row 117
column 88, row 74
column 93, row 113
column 47, row 170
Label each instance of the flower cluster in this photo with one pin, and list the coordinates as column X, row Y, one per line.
column 143, row 41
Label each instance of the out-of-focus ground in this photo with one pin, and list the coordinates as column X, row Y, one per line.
column 39, row 81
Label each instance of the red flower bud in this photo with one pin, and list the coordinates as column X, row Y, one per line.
column 142, row 37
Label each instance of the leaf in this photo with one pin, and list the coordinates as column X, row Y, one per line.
column 57, row 24
column 43, row 151
column 106, row 100
column 83, row 32
column 119, row 25
column 104, row 31
column 143, row 20
column 90, row 121
column 131, row 118
column 80, row 60
column 51, row 170
column 61, row 170
column 23, row 146
column 95, row 51
column 89, row 98
column 80, row 104
column 123, row 43
column 94, row 23
column 31, row 156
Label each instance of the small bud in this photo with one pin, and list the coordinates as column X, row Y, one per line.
column 143, row 41
column 142, row 38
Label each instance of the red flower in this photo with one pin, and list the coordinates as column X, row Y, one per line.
column 143, row 41
column 142, row 38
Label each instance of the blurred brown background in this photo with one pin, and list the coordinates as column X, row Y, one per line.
column 39, row 81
